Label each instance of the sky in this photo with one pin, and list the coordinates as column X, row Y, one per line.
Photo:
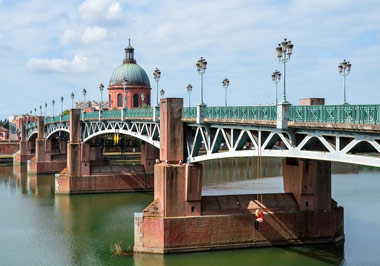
column 50, row 49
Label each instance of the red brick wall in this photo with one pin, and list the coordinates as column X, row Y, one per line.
column 8, row 148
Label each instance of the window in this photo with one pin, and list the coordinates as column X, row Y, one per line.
column 119, row 100
column 135, row 100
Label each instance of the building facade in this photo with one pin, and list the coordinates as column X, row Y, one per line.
column 138, row 90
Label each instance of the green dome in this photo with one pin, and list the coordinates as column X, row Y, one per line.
column 135, row 74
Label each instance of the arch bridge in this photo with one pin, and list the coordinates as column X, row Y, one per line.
column 341, row 133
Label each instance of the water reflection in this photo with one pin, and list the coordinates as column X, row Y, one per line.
column 78, row 230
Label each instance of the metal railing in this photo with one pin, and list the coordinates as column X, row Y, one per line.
column 348, row 114
column 189, row 112
column 264, row 112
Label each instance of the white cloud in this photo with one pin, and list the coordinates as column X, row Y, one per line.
column 93, row 34
column 69, row 36
column 114, row 10
column 95, row 10
column 79, row 64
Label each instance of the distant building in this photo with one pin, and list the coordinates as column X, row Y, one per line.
column 4, row 133
column 312, row 101
column 91, row 106
column 138, row 84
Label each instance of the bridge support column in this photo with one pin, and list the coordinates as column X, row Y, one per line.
column 25, row 148
column 309, row 181
column 83, row 174
column 43, row 162
column 283, row 112
column 180, row 219
column 149, row 154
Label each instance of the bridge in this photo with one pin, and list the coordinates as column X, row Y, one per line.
column 180, row 218
column 341, row 133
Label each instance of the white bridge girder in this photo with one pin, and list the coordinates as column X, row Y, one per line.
column 207, row 142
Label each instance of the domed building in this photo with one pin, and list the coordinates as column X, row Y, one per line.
column 138, row 88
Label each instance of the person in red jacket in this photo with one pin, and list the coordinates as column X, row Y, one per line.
column 259, row 219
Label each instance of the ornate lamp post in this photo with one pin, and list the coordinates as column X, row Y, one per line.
column 344, row 69
column 276, row 76
column 61, row 105
column 162, row 93
column 225, row 83
column 35, row 111
column 201, row 68
column 45, row 110
column 40, row 110
column 72, row 100
column 189, row 90
column 101, row 87
column 284, row 51
column 125, row 82
column 53, row 102
column 157, row 76
column 84, row 99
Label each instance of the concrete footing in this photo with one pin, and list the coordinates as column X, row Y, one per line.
column 131, row 179
column 227, row 222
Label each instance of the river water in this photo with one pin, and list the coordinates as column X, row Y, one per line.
column 40, row 228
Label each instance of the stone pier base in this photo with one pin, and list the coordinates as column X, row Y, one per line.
column 122, row 181
column 19, row 158
column 43, row 167
column 227, row 222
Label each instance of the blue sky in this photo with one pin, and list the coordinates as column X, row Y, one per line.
column 51, row 48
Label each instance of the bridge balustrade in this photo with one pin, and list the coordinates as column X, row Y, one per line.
column 348, row 114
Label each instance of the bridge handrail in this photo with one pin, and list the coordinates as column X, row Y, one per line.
column 349, row 114
column 189, row 112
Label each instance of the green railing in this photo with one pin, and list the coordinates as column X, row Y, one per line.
column 189, row 112
column 111, row 114
column 66, row 118
column 33, row 124
column 264, row 112
column 140, row 112
column 91, row 115
column 349, row 114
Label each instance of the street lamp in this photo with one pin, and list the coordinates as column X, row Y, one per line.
column 35, row 111
column 61, row 105
column 201, row 68
column 45, row 110
column 125, row 82
column 162, row 93
column 344, row 69
column 284, row 51
column 40, row 110
column 276, row 76
column 84, row 99
column 53, row 102
column 101, row 87
column 142, row 99
column 157, row 76
column 225, row 83
column 72, row 100
column 189, row 90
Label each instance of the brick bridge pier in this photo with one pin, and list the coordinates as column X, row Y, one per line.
column 180, row 219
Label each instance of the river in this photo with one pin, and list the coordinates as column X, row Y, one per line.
column 38, row 227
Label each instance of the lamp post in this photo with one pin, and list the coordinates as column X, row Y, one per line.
column 53, row 102
column 201, row 68
column 101, row 87
column 162, row 93
column 45, row 110
column 344, row 69
column 72, row 100
column 276, row 76
column 35, row 111
column 157, row 76
column 61, row 105
column 125, row 82
column 189, row 90
column 225, row 83
column 84, row 99
column 284, row 51
column 40, row 110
